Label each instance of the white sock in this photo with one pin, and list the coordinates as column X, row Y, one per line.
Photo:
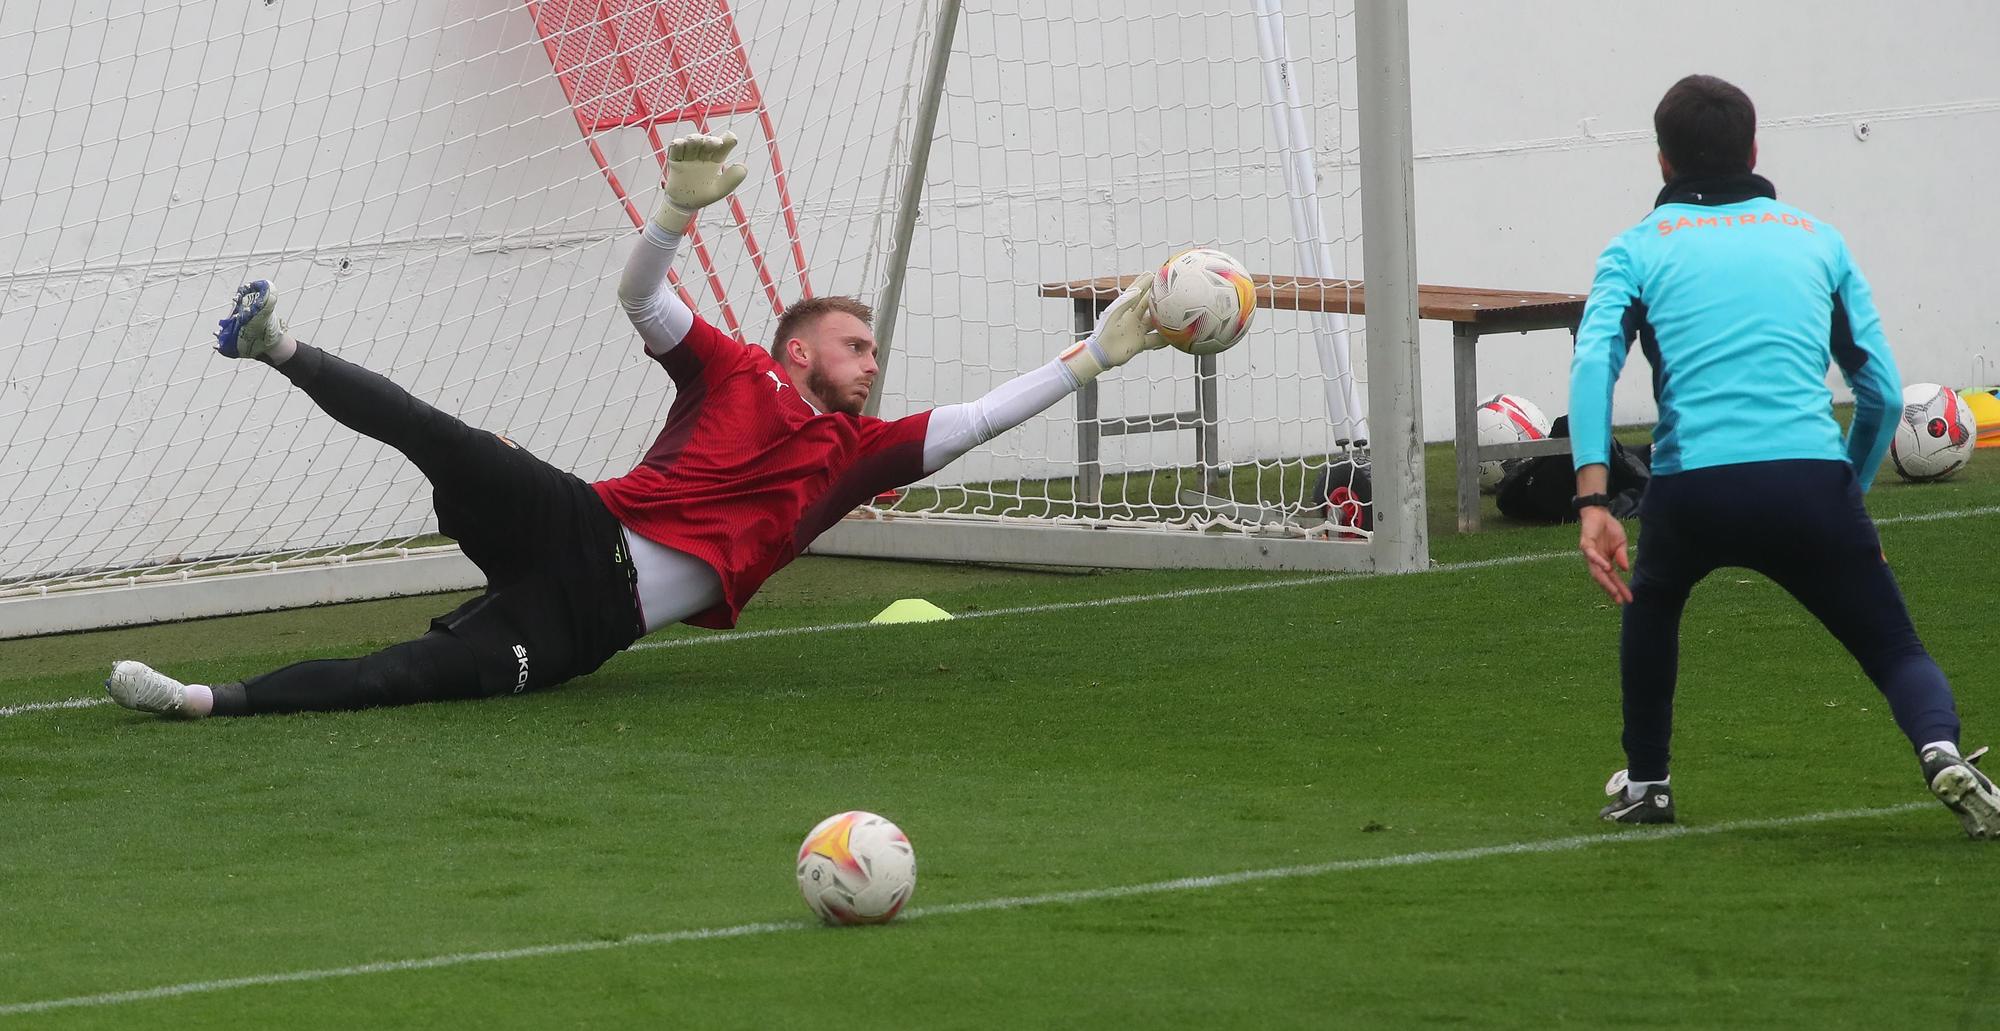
column 280, row 354
column 199, row 700
column 1946, row 747
column 1636, row 789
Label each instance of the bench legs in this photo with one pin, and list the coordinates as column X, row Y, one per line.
column 1204, row 419
column 1465, row 421
column 1089, row 468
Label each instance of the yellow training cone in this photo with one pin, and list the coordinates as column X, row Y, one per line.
column 1985, row 406
column 911, row 610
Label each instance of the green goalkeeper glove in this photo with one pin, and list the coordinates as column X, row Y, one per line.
column 696, row 177
column 1125, row 329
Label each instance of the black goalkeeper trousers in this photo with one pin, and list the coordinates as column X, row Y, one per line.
column 559, row 598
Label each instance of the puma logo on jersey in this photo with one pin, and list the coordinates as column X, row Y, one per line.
column 521, row 678
column 776, row 383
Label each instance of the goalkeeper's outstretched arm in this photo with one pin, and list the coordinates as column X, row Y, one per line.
column 696, row 177
column 1122, row 332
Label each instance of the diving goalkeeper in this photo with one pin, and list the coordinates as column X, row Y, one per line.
column 762, row 451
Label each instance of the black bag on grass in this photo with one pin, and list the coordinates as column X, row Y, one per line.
column 1539, row 489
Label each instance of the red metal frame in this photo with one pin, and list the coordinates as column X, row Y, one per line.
column 643, row 64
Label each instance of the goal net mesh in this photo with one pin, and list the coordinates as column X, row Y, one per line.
column 445, row 191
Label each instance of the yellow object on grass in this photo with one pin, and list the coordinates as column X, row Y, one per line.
column 911, row 610
column 1985, row 405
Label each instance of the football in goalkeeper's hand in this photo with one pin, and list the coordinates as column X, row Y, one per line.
column 1202, row 301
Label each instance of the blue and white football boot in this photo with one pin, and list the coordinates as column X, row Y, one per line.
column 253, row 328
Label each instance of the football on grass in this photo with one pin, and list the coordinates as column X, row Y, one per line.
column 1936, row 434
column 856, row 868
column 1507, row 419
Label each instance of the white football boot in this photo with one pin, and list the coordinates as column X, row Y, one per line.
column 136, row 685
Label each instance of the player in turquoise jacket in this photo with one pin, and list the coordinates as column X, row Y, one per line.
column 1738, row 301
column 1740, row 304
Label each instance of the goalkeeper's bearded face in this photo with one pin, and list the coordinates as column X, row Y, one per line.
column 833, row 357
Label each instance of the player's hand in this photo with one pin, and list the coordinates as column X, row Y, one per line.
column 1125, row 329
column 696, row 177
column 1603, row 546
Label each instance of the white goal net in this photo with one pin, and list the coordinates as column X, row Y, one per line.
column 444, row 191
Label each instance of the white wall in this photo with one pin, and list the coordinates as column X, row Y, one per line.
column 1534, row 141
column 412, row 176
column 412, row 173
column 1534, row 147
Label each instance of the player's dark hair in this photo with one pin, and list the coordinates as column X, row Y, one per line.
column 802, row 314
column 1706, row 126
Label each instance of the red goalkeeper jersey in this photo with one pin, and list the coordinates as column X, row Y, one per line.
column 745, row 474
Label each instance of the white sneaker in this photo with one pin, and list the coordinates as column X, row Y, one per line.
column 136, row 685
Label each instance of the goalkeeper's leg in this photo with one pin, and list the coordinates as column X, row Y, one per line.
column 554, row 625
column 452, row 455
column 501, row 642
column 482, row 480
column 435, row 667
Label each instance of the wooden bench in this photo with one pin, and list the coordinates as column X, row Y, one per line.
column 1472, row 312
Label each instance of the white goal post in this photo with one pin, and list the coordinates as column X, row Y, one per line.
column 444, row 193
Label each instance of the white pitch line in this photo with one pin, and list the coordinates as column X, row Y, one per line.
column 1549, row 845
column 1195, row 592
column 1932, row 517
column 1096, row 603
column 1018, row 610
column 726, row 637
column 394, row 966
column 67, row 703
column 1569, row 844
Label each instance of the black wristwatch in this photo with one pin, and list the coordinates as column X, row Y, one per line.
column 1583, row 501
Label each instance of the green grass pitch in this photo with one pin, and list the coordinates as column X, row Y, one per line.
column 1415, row 761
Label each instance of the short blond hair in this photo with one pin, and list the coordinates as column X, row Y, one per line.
column 799, row 315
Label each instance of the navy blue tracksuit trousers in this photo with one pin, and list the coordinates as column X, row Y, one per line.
column 1801, row 523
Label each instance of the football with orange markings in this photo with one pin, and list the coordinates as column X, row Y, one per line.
column 1202, row 301
column 857, row 868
